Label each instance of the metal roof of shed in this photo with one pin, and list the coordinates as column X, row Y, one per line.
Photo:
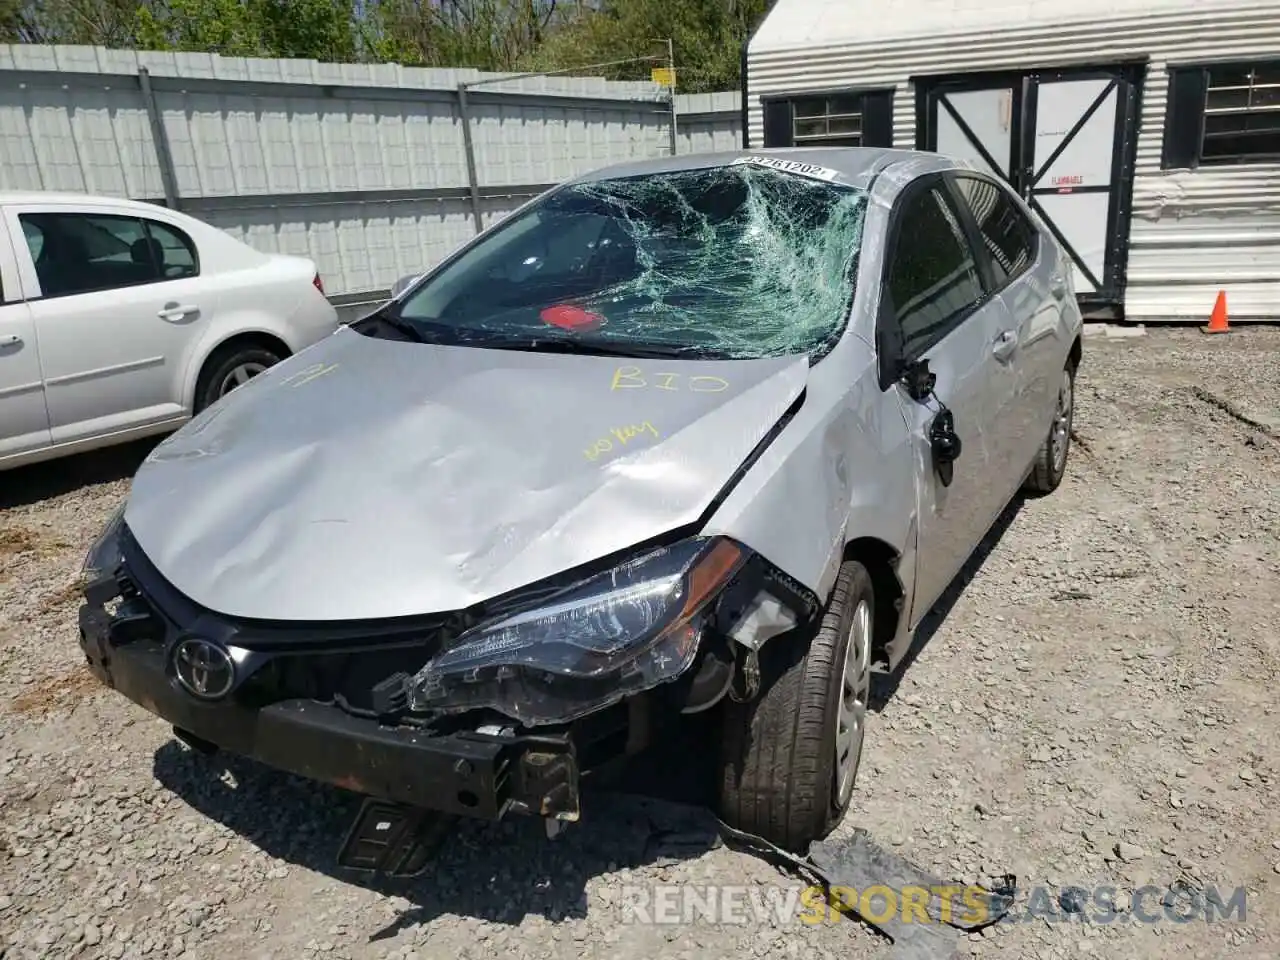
column 809, row 23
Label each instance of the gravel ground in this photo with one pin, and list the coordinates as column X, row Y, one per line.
column 1096, row 706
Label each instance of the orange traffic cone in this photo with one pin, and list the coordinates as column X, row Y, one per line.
column 1218, row 319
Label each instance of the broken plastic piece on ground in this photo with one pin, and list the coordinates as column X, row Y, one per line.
column 393, row 839
column 568, row 317
column 858, row 863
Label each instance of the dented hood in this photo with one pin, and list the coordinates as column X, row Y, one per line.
column 369, row 478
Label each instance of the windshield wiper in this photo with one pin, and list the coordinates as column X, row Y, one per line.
column 591, row 347
column 396, row 322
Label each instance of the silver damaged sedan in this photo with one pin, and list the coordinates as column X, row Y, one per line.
column 705, row 433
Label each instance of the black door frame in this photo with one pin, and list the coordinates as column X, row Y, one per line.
column 1129, row 76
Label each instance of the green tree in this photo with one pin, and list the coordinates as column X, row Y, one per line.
column 213, row 26
column 315, row 29
column 318, row 29
column 108, row 23
column 707, row 36
column 484, row 34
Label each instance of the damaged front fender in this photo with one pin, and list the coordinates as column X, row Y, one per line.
column 840, row 471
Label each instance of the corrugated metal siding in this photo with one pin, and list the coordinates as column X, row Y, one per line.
column 1193, row 232
column 281, row 153
column 708, row 122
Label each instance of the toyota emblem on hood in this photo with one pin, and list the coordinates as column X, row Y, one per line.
column 204, row 669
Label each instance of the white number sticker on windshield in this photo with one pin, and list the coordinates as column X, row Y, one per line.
column 791, row 166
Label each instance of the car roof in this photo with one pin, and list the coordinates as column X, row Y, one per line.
column 52, row 196
column 854, row 166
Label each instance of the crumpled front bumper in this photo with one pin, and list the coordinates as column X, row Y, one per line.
column 469, row 773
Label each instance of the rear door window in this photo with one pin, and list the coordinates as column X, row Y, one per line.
column 83, row 253
column 1010, row 238
column 933, row 279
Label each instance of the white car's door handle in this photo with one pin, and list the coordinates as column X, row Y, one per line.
column 1005, row 344
column 10, row 340
column 176, row 311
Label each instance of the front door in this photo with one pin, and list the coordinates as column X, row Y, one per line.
column 119, row 300
column 24, row 419
column 935, row 306
column 1066, row 142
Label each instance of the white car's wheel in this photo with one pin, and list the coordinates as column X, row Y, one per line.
column 790, row 757
column 229, row 367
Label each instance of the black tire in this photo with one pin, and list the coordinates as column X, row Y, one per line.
column 1048, row 469
column 778, row 751
column 223, row 362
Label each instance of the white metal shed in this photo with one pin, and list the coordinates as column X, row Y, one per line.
column 1145, row 132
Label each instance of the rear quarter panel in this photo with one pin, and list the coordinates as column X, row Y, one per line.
column 272, row 299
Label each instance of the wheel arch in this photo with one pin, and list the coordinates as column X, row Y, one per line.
column 881, row 561
column 242, row 338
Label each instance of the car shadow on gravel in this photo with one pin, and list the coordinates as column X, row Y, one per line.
column 885, row 685
column 497, row 872
column 54, row 478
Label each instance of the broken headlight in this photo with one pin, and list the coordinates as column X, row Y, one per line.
column 589, row 645
column 104, row 555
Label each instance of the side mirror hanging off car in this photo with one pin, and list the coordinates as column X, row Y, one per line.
column 945, row 443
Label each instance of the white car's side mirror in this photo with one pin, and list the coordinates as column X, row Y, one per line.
column 403, row 284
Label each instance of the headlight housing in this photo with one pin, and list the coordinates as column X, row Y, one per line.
column 104, row 555
column 593, row 643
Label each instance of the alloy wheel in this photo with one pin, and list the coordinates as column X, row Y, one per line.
column 855, row 692
column 239, row 375
column 1061, row 435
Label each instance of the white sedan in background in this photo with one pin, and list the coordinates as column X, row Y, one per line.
column 121, row 319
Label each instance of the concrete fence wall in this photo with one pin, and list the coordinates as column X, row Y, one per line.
column 363, row 168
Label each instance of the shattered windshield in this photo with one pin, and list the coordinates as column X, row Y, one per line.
column 737, row 261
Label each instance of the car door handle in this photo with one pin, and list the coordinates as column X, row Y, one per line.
column 176, row 311
column 1005, row 344
column 10, row 340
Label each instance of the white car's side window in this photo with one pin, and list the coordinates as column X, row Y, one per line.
column 87, row 252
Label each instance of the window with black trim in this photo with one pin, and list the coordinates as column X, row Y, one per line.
column 842, row 118
column 933, row 279
column 1010, row 238
column 1222, row 114
column 86, row 252
column 834, row 121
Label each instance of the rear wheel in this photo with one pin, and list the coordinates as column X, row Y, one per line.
column 229, row 367
column 1051, row 460
column 790, row 757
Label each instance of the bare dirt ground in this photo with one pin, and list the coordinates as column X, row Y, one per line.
column 1098, row 706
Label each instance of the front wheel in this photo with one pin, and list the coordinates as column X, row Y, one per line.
column 790, row 757
column 1051, row 459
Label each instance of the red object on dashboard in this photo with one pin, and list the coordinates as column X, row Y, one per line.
column 567, row 317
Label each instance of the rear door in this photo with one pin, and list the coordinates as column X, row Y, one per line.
column 118, row 299
column 1027, row 276
column 24, row 421
column 935, row 306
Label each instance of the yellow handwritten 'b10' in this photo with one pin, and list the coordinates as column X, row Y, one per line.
column 619, row 437
column 630, row 377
